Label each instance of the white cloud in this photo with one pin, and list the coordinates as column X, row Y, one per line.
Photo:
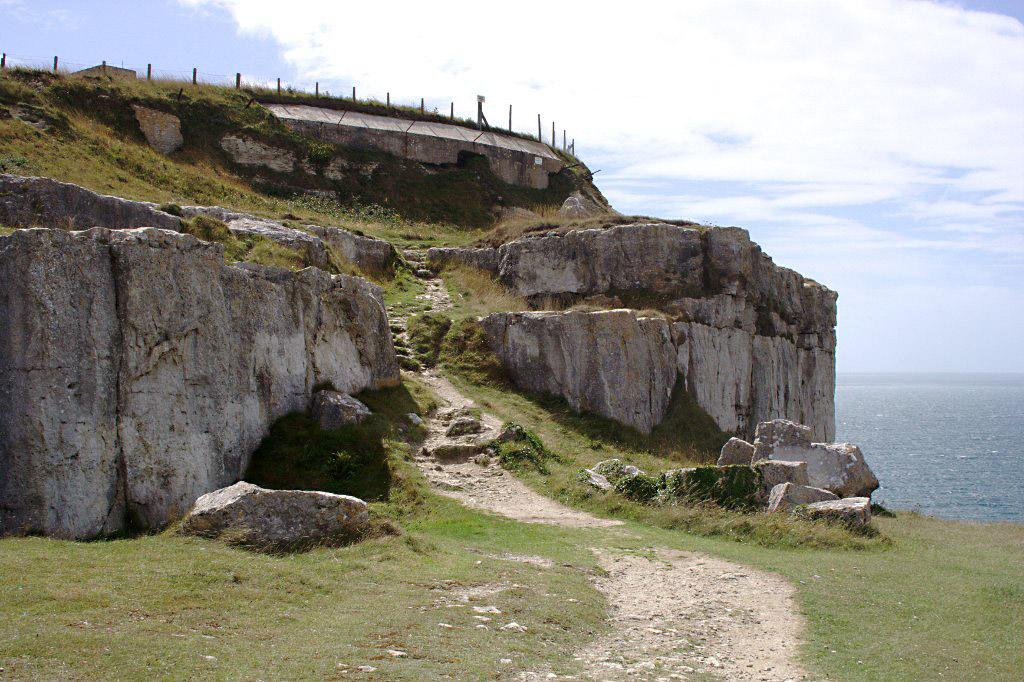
column 836, row 130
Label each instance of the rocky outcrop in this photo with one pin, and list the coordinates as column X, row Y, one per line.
column 753, row 341
column 277, row 520
column 578, row 206
column 320, row 246
column 247, row 151
column 162, row 130
column 42, row 202
column 334, row 410
column 138, row 371
column 610, row 363
column 839, row 467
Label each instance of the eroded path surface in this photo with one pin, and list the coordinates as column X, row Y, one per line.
column 673, row 615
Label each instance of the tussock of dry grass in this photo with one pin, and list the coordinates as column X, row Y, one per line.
column 476, row 293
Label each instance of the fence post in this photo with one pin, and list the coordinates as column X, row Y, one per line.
column 510, row 118
column 279, row 86
column 103, row 67
column 3, row 61
column 452, row 114
column 422, row 107
column 195, row 74
column 353, row 93
column 388, row 105
column 238, row 81
column 318, row 88
column 149, row 72
column 55, row 65
column 554, row 140
column 563, row 139
column 539, row 138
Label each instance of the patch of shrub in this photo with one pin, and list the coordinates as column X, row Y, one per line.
column 465, row 351
column 519, row 448
column 172, row 209
column 638, row 487
column 426, row 331
column 731, row 487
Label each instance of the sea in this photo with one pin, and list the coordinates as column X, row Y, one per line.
column 947, row 445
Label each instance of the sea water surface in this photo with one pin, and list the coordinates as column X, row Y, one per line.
column 949, row 445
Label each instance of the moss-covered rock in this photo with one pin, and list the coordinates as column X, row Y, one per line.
column 638, row 487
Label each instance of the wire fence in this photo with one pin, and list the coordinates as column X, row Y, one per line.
column 240, row 80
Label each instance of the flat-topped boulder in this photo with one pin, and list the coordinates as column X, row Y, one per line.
column 277, row 520
column 787, row 496
column 736, row 451
column 855, row 511
column 138, row 371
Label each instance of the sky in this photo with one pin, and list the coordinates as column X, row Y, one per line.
column 876, row 146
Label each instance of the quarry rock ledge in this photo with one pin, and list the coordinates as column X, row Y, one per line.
column 138, row 371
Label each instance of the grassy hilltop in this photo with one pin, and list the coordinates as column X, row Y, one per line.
column 916, row 598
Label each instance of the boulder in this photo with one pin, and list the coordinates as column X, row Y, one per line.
column 855, row 511
column 455, row 450
column 334, row 410
column 775, row 472
column 463, row 425
column 42, row 202
column 138, row 371
column 368, row 253
column 248, row 151
column 277, row 520
column 578, row 206
column 786, row 496
column 736, row 451
column 597, row 480
column 780, row 437
column 162, row 130
column 839, row 467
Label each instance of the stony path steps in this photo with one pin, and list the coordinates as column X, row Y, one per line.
column 673, row 615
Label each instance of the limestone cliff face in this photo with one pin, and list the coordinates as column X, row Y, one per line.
column 752, row 341
column 138, row 371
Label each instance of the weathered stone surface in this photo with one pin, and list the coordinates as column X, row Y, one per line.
column 462, row 426
column 138, row 371
column 335, row 410
column 611, row 363
column 247, row 151
column 42, row 202
column 754, row 341
column 597, row 480
column 736, row 451
column 839, row 467
column 852, row 510
column 277, row 520
column 369, row 253
column 775, row 472
column 162, row 130
column 780, row 437
column 788, row 495
column 578, row 206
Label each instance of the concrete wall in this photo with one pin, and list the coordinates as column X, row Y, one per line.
column 514, row 160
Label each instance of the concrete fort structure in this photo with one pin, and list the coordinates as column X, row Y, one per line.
column 515, row 160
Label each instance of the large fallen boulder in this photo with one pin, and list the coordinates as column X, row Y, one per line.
column 277, row 520
column 138, row 371
column 335, row 410
column 839, row 467
column 44, row 202
column 774, row 472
